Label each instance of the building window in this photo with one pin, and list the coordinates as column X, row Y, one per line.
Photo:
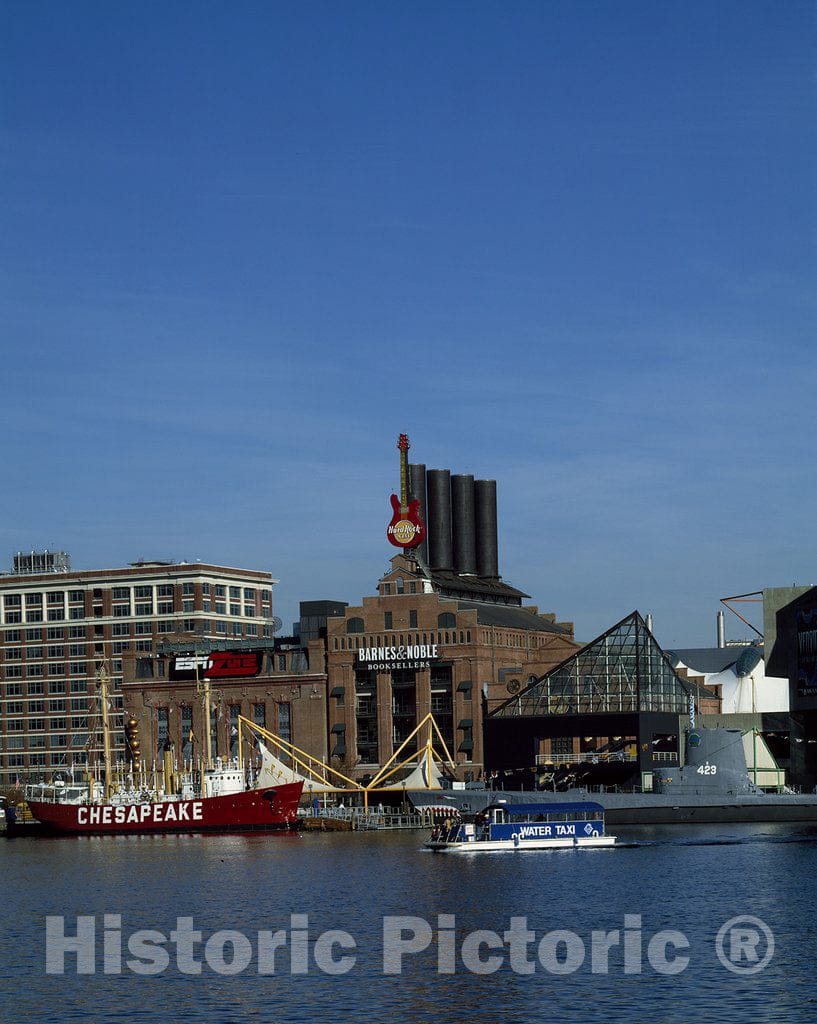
column 234, row 712
column 354, row 625
column 413, row 618
column 446, row 620
column 162, row 730
column 387, row 588
column 285, row 721
column 388, row 620
column 186, row 726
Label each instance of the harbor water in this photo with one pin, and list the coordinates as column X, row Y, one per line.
column 710, row 923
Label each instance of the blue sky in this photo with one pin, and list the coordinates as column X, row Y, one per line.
column 569, row 246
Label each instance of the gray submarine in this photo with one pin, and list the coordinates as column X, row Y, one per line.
column 712, row 786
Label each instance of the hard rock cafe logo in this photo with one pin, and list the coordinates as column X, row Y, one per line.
column 403, row 533
column 406, row 529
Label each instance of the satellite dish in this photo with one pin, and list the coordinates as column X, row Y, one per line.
column 276, row 623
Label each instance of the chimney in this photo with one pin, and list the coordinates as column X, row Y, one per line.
column 464, row 524
column 440, row 541
column 417, row 492
column 486, row 529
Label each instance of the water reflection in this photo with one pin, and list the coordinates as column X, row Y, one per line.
column 689, row 880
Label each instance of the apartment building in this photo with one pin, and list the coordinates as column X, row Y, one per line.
column 60, row 628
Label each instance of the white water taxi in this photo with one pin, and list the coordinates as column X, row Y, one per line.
column 540, row 826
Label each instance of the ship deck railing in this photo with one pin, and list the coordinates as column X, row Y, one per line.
column 377, row 818
column 586, row 757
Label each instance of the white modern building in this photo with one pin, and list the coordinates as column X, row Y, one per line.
column 737, row 674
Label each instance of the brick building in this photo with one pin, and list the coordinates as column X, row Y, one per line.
column 59, row 627
column 431, row 640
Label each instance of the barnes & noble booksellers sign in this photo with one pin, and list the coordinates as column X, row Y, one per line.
column 386, row 658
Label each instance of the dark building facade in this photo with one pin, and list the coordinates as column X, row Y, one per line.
column 794, row 655
column 610, row 713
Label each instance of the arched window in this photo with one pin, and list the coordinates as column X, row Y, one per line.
column 354, row 625
column 446, row 620
column 399, row 585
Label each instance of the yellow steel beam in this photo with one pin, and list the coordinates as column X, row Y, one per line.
column 293, row 752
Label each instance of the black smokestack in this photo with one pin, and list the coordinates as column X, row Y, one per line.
column 440, row 547
column 487, row 546
column 417, row 492
column 463, row 524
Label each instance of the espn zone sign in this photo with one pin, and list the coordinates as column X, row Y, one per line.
column 218, row 665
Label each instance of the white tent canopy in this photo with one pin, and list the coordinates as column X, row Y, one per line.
column 420, row 778
column 275, row 773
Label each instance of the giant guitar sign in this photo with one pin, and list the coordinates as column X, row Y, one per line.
column 406, row 529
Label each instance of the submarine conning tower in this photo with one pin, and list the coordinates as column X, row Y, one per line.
column 715, row 766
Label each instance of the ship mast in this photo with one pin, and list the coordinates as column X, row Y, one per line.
column 102, row 687
column 203, row 688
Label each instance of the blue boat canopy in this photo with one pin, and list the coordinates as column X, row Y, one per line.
column 549, row 808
